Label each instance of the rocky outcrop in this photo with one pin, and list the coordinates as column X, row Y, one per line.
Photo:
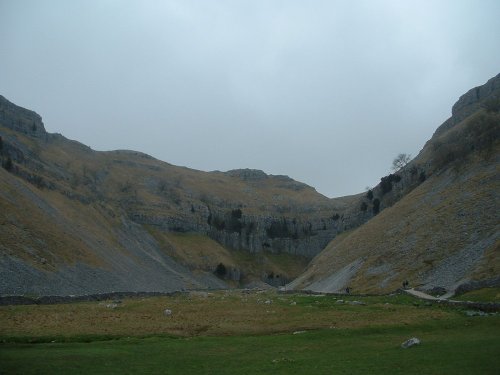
column 254, row 233
column 274, row 234
column 256, row 176
column 21, row 120
column 470, row 102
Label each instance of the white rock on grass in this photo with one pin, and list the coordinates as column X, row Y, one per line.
column 410, row 342
column 475, row 313
column 167, row 312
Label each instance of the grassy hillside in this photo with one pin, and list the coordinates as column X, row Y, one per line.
column 443, row 233
column 74, row 220
column 68, row 211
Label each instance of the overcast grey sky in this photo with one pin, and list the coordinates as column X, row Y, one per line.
column 327, row 92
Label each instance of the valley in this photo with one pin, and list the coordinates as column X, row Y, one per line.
column 77, row 221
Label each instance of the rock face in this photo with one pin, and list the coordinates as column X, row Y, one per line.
column 20, row 119
column 470, row 102
column 254, row 233
column 274, row 234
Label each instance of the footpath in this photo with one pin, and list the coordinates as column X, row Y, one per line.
column 483, row 306
column 426, row 296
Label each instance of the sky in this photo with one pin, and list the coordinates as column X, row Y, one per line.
column 326, row 92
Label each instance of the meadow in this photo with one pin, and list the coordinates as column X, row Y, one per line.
column 248, row 332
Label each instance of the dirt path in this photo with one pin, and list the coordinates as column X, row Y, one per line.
column 423, row 295
column 489, row 307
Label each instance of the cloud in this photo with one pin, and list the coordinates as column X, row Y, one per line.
column 327, row 92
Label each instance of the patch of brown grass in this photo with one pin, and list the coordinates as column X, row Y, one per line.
column 214, row 314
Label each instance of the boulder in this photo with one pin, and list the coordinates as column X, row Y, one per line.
column 410, row 342
column 167, row 312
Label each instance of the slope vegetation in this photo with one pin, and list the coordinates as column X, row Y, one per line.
column 441, row 232
column 75, row 221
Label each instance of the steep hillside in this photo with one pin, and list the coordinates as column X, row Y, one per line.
column 440, row 226
column 74, row 220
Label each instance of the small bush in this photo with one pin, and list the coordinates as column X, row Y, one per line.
column 234, row 225
column 250, row 227
column 220, row 270
column 219, row 223
column 8, row 164
column 278, row 229
column 369, row 194
column 386, row 182
column 422, row 176
column 236, row 214
column 364, row 206
column 376, row 206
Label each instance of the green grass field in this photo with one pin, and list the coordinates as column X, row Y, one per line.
column 249, row 337
column 481, row 295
